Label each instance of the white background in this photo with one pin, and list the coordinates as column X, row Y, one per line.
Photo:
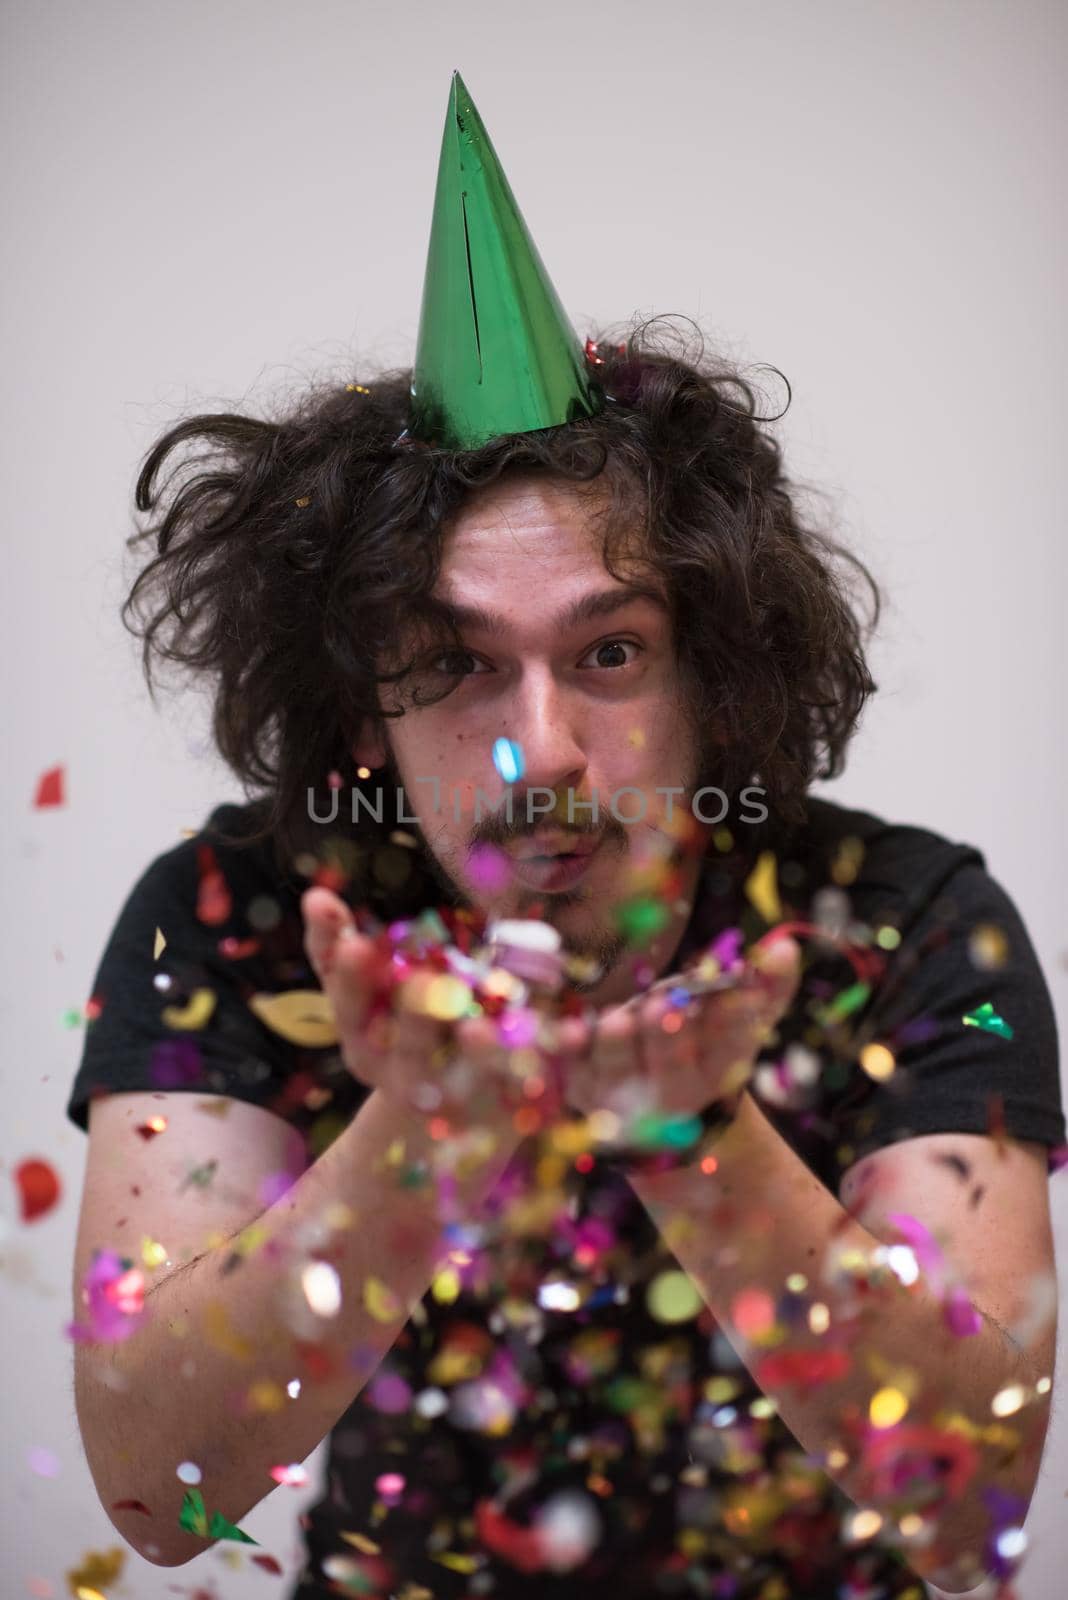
column 205, row 201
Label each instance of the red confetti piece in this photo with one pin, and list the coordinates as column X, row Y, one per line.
column 149, row 1130
column 130, row 1505
column 50, row 789
column 214, row 901
column 521, row 1547
column 38, row 1186
column 238, row 949
column 268, row 1563
column 802, row 1369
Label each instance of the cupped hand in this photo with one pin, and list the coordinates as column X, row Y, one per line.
column 448, row 1069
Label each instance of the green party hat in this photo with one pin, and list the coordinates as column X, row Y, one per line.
column 496, row 353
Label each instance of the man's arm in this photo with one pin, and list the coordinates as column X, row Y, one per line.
column 755, row 1214
column 204, row 1379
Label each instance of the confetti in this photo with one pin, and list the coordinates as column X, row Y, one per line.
column 195, row 1014
column 508, row 760
column 303, row 1017
column 986, row 1018
column 214, row 901
column 149, row 1130
column 99, row 1570
column 380, row 1300
column 294, row 1476
column 761, row 887
column 672, row 1297
column 113, row 1292
column 322, row 1288
column 194, row 1519
column 50, row 791
column 159, row 944
column 39, row 1189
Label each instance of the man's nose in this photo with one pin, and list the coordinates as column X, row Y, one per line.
column 549, row 728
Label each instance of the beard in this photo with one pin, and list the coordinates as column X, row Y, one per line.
column 599, row 947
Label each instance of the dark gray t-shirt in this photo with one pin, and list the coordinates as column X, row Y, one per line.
column 605, row 1395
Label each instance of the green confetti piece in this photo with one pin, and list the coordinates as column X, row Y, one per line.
column 844, row 1004
column 642, row 919
column 193, row 1517
column 986, row 1018
column 221, row 1529
column 73, row 1018
column 656, row 1131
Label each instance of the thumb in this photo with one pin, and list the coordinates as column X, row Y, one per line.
column 340, row 955
column 777, row 964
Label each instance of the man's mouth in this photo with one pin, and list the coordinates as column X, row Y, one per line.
column 557, row 870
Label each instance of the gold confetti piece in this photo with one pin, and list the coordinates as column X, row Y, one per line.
column 988, row 947
column 847, row 861
column 265, row 1395
column 153, row 1254
column 761, row 886
column 305, row 500
column 215, row 1108
column 380, row 1300
column 636, row 739
column 223, row 1336
column 159, row 945
column 303, row 1017
column 99, row 1568
column 878, row 1062
column 194, row 1014
column 456, row 1562
column 446, row 1286
column 362, row 1543
column 887, row 1407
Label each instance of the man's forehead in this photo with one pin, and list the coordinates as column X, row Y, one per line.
column 602, row 597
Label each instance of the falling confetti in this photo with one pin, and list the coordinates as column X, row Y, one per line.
column 214, row 901
column 113, row 1292
column 761, row 887
column 50, row 789
column 99, row 1570
column 38, row 1186
column 986, row 1018
column 304, row 1017
column 508, row 759
column 194, row 1519
column 195, row 1014
column 159, row 944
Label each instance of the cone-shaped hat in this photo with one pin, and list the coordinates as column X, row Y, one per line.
column 495, row 353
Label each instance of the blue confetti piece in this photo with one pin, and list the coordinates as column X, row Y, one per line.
column 508, row 759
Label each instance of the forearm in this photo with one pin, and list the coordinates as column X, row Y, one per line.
column 761, row 1217
column 205, row 1378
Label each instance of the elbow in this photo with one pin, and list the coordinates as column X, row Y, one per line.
column 142, row 1511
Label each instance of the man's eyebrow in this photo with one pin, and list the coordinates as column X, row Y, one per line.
column 599, row 603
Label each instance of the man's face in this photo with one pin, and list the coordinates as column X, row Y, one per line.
column 563, row 659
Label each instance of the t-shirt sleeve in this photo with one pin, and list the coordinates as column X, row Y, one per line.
column 966, row 953
column 182, row 1020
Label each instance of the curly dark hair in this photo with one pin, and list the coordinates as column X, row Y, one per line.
column 291, row 550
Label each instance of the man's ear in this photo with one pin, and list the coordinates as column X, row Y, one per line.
column 370, row 749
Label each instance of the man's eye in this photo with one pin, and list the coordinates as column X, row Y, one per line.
column 614, row 649
column 456, row 664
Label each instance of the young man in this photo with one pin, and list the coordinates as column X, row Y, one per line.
column 725, row 1269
